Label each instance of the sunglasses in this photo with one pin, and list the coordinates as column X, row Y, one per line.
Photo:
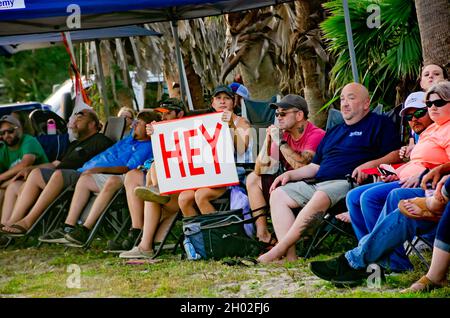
column 437, row 103
column 9, row 131
column 417, row 114
column 282, row 114
column 80, row 114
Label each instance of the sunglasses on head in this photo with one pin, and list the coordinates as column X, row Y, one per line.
column 9, row 131
column 437, row 103
column 417, row 114
column 282, row 114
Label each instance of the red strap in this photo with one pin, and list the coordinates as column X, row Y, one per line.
column 78, row 83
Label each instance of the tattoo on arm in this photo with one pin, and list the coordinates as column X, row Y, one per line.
column 295, row 159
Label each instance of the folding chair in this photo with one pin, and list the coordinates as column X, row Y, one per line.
column 115, row 128
column 411, row 247
column 329, row 225
column 114, row 218
column 54, row 145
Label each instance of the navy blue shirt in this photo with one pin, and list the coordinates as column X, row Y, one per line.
column 345, row 147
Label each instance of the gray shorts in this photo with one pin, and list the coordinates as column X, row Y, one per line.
column 101, row 178
column 301, row 192
column 70, row 176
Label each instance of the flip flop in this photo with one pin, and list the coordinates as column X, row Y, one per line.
column 22, row 231
column 424, row 213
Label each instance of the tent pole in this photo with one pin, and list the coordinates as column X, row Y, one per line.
column 102, row 85
column 351, row 47
column 184, row 85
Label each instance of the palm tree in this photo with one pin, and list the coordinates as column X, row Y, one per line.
column 434, row 25
column 388, row 57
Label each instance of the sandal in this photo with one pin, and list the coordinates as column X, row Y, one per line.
column 267, row 246
column 424, row 213
column 21, row 231
column 424, row 284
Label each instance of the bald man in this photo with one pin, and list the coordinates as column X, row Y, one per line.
column 363, row 141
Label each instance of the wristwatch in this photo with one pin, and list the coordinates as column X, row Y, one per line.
column 283, row 142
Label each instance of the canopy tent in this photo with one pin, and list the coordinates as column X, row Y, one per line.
column 16, row 43
column 37, row 16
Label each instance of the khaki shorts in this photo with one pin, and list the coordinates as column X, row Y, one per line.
column 101, row 178
column 301, row 192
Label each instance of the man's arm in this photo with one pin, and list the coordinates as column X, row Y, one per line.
column 295, row 159
column 360, row 176
column 26, row 171
column 305, row 172
column 108, row 170
column 27, row 160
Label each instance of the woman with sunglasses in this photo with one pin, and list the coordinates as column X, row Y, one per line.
column 430, row 74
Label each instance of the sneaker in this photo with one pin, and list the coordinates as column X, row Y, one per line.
column 78, row 236
column 151, row 194
column 56, row 236
column 136, row 252
column 339, row 272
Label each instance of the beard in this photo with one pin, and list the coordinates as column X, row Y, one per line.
column 13, row 141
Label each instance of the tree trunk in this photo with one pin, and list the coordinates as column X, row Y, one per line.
column 194, row 82
column 312, row 70
column 260, row 79
column 434, row 24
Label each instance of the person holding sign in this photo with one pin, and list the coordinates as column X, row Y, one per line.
column 223, row 101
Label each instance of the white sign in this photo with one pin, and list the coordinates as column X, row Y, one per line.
column 12, row 4
column 196, row 152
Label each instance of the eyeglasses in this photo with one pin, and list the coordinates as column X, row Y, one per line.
column 437, row 103
column 9, row 131
column 282, row 114
column 417, row 114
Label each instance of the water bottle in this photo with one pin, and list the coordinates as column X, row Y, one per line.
column 51, row 127
column 191, row 253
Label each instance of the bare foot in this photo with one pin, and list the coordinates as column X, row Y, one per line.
column 17, row 228
column 270, row 256
column 344, row 217
column 432, row 205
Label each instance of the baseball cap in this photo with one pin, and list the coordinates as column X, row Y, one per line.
column 240, row 90
column 223, row 89
column 290, row 101
column 414, row 100
column 169, row 105
column 11, row 120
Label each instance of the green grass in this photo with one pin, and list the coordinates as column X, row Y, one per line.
column 42, row 272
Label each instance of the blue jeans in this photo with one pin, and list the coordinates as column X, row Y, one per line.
column 365, row 203
column 442, row 240
column 384, row 244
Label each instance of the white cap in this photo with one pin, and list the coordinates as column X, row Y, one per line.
column 414, row 100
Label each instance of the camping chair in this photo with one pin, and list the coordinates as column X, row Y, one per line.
column 114, row 218
column 56, row 145
column 52, row 216
column 411, row 247
column 330, row 225
column 115, row 128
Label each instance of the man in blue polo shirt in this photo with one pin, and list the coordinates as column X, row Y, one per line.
column 363, row 141
column 104, row 174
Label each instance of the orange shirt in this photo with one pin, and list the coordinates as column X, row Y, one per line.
column 433, row 149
